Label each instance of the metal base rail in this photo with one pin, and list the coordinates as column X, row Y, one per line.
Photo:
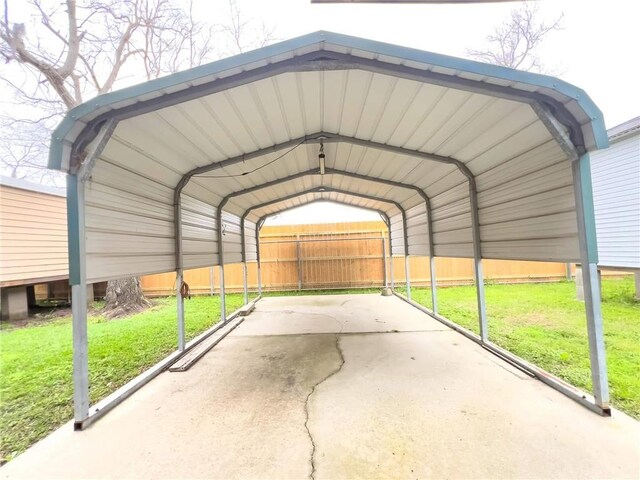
column 556, row 383
column 108, row 403
column 194, row 360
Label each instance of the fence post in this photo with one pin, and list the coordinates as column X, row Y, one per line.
column 223, row 298
column 299, row 262
column 407, row 276
column 384, row 263
column 434, row 295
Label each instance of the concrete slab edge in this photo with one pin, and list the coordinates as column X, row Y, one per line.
column 108, row 403
column 547, row 378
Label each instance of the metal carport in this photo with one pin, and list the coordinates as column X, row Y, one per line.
column 465, row 159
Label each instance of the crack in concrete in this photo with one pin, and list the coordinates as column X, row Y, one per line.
column 306, row 407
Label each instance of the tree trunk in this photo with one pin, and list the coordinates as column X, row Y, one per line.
column 124, row 297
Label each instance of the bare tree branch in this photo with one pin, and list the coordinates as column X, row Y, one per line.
column 514, row 44
column 70, row 50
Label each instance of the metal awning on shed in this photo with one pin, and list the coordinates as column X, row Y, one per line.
column 465, row 159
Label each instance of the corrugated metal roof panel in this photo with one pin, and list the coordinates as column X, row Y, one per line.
column 429, row 128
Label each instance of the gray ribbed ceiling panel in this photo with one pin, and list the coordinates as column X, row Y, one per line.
column 486, row 150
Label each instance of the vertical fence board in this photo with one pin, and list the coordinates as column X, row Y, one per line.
column 344, row 255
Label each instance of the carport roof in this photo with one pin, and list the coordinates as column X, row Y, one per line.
column 466, row 159
column 162, row 91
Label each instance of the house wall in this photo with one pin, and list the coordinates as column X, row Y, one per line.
column 33, row 236
column 616, row 196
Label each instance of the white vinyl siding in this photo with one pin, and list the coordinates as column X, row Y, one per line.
column 616, row 195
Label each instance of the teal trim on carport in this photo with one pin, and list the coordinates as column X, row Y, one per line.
column 586, row 190
column 186, row 77
column 73, row 229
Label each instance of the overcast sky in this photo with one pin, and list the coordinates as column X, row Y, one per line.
column 597, row 50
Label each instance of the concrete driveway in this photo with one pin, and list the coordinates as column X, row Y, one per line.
column 345, row 386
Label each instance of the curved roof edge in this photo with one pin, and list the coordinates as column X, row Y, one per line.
column 321, row 200
column 76, row 119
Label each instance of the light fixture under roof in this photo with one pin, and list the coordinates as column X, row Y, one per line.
column 321, row 158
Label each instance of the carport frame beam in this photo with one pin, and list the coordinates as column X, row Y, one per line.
column 259, row 225
column 261, row 220
column 583, row 192
column 245, row 273
column 333, row 171
column 327, row 137
column 407, row 275
column 76, row 232
column 177, row 217
column 78, row 281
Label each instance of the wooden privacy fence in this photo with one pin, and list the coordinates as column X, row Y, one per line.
column 307, row 264
column 343, row 255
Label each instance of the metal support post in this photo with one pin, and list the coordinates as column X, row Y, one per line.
column 219, row 234
column 211, row 281
column 407, row 275
column 177, row 215
column 384, row 264
column 180, row 304
column 482, row 306
column 477, row 260
column 78, row 281
column 589, row 259
column 434, row 295
column 244, row 282
column 391, row 275
column 432, row 256
column 223, row 306
column 258, row 227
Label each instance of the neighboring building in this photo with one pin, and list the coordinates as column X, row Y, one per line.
column 33, row 241
column 616, row 195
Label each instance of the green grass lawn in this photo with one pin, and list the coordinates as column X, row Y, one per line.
column 545, row 324
column 542, row 323
column 36, row 387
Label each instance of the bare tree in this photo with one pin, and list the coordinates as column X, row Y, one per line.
column 77, row 50
column 515, row 43
column 22, row 144
column 242, row 33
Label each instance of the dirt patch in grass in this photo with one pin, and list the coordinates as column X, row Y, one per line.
column 539, row 319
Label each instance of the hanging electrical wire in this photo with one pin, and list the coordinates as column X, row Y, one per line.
column 257, row 168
